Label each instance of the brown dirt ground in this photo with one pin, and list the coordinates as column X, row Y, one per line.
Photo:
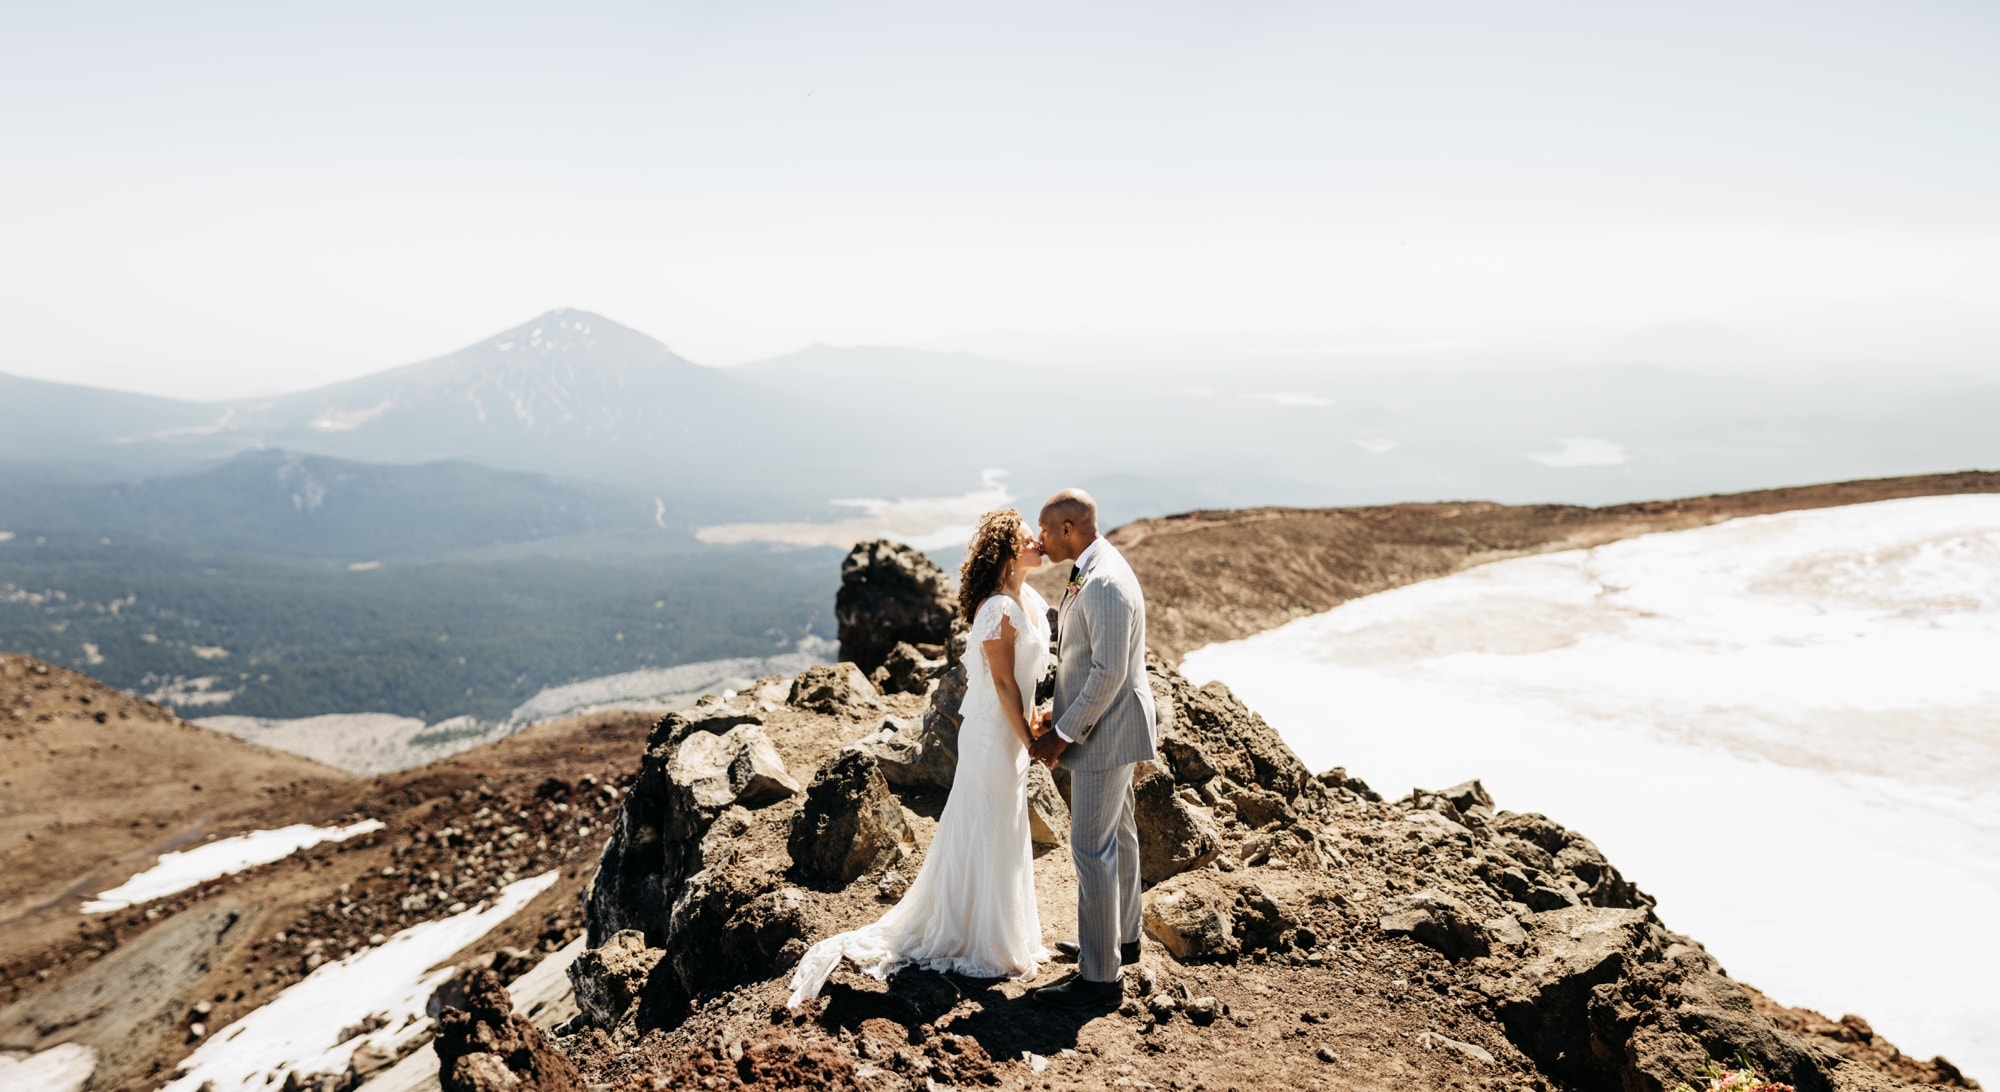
column 95, row 783
column 560, row 783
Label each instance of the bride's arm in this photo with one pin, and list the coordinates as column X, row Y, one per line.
column 1000, row 665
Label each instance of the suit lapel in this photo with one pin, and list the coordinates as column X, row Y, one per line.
column 1071, row 591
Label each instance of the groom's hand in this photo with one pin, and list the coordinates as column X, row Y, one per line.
column 1048, row 749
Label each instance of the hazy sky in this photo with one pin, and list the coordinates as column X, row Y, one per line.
column 211, row 199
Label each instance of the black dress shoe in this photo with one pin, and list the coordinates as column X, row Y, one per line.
column 1079, row 994
column 1128, row 953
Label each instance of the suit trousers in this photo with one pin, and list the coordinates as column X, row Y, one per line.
column 1104, row 840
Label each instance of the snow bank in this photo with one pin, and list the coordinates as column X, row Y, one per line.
column 300, row 1029
column 64, row 1068
column 1786, row 728
column 180, row 871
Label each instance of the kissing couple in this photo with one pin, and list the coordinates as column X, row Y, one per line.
column 971, row 910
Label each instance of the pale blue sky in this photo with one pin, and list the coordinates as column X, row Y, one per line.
column 220, row 198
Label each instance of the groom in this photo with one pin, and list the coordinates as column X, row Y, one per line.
column 1103, row 726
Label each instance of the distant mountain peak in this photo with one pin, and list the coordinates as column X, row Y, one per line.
column 559, row 331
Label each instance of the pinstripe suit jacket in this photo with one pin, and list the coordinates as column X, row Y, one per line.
column 1103, row 700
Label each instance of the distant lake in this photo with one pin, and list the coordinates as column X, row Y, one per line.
column 1786, row 728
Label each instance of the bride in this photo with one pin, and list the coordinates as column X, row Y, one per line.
column 971, row 909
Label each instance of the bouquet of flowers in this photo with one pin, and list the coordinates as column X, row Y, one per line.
column 1744, row 1078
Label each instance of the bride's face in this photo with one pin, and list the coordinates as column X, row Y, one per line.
column 1030, row 557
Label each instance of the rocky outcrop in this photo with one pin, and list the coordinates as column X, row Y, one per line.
column 850, row 824
column 681, row 877
column 890, row 594
column 487, row 1047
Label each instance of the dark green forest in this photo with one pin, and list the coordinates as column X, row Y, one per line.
column 430, row 639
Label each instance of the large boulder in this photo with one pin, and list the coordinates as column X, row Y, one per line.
column 487, row 1047
column 850, row 823
column 834, row 690
column 737, row 767
column 890, row 593
column 1174, row 835
column 1190, row 915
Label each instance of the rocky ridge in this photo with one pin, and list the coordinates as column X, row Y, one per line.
column 1299, row 929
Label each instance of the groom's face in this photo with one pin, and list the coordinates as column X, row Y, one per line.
column 1055, row 539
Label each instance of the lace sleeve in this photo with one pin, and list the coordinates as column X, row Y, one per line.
column 986, row 623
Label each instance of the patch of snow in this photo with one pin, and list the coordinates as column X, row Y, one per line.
column 364, row 566
column 1584, row 451
column 1786, row 728
column 926, row 523
column 1376, row 445
column 337, row 420
column 181, row 692
column 179, row 871
column 92, row 655
column 6, row 536
column 298, row 1031
column 63, row 1068
column 659, row 513
column 209, row 652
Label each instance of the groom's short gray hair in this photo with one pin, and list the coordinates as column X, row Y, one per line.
column 1073, row 505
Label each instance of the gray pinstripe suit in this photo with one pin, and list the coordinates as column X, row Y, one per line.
column 1104, row 704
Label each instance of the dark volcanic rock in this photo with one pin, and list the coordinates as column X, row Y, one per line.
column 908, row 669
column 1438, row 920
column 850, row 824
column 1174, row 835
column 890, row 593
column 486, row 1047
column 1552, row 848
column 836, row 690
column 1205, row 732
column 609, row 980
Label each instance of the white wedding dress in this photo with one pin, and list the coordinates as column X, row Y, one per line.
column 971, row 909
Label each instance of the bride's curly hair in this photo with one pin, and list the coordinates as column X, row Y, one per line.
column 997, row 542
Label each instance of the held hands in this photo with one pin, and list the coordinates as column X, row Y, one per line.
column 1047, row 748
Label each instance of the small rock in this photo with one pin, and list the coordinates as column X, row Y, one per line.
column 609, row 979
column 837, row 690
column 1438, row 920
column 1326, row 1054
column 1431, row 1040
column 1201, row 1010
column 908, row 668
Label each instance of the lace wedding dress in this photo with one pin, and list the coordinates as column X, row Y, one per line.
column 971, row 909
